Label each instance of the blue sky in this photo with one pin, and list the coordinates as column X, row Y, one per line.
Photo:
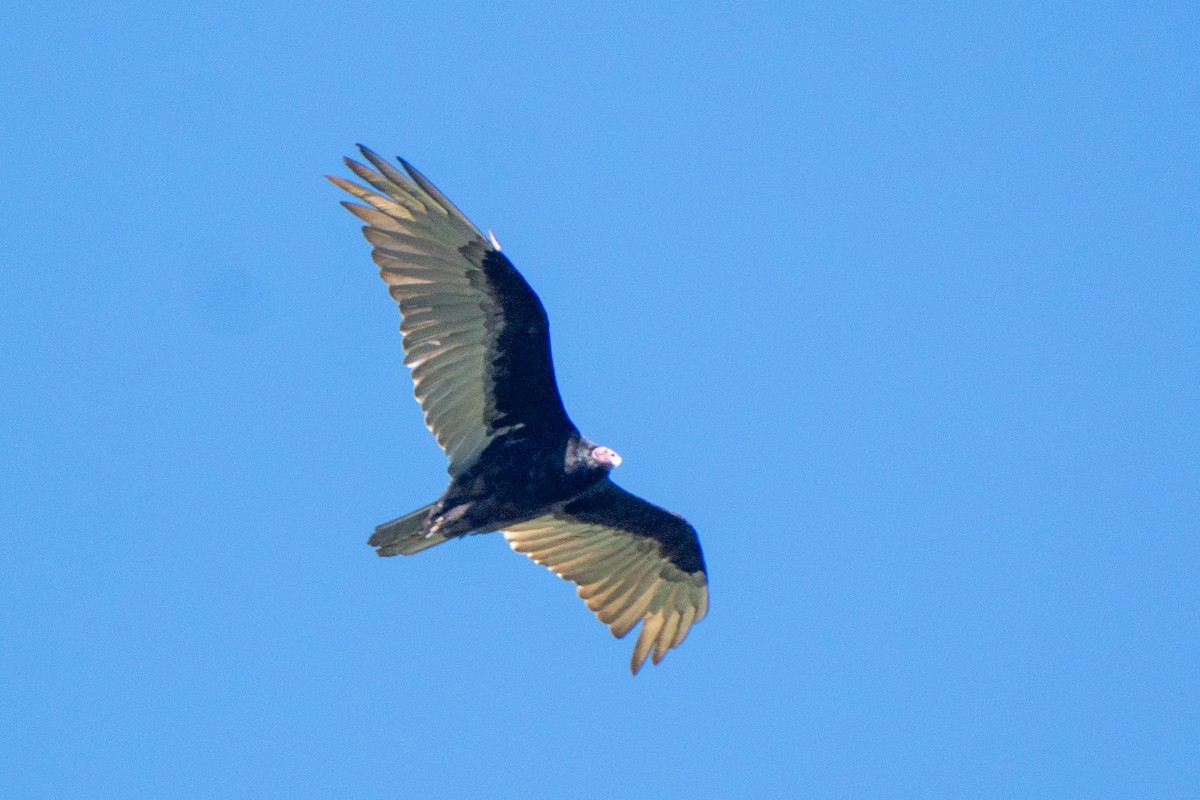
column 897, row 305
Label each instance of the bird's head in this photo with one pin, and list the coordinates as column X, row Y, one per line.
column 605, row 457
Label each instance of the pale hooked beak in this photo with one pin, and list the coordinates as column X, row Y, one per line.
column 606, row 455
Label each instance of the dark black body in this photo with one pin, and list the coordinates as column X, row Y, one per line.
column 516, row 479
column 540, row 460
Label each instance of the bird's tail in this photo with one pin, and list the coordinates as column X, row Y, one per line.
column 404, row 536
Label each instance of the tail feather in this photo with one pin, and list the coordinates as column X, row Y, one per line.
column 404, row 536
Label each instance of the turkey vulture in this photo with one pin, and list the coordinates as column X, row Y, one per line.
column 477, row 340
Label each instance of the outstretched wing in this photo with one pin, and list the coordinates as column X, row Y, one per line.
column 476, row 335
column 632, row 561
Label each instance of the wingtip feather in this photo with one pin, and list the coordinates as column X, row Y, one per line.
column 651, row 626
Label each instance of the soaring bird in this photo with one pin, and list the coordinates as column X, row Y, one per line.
column 477, row 340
